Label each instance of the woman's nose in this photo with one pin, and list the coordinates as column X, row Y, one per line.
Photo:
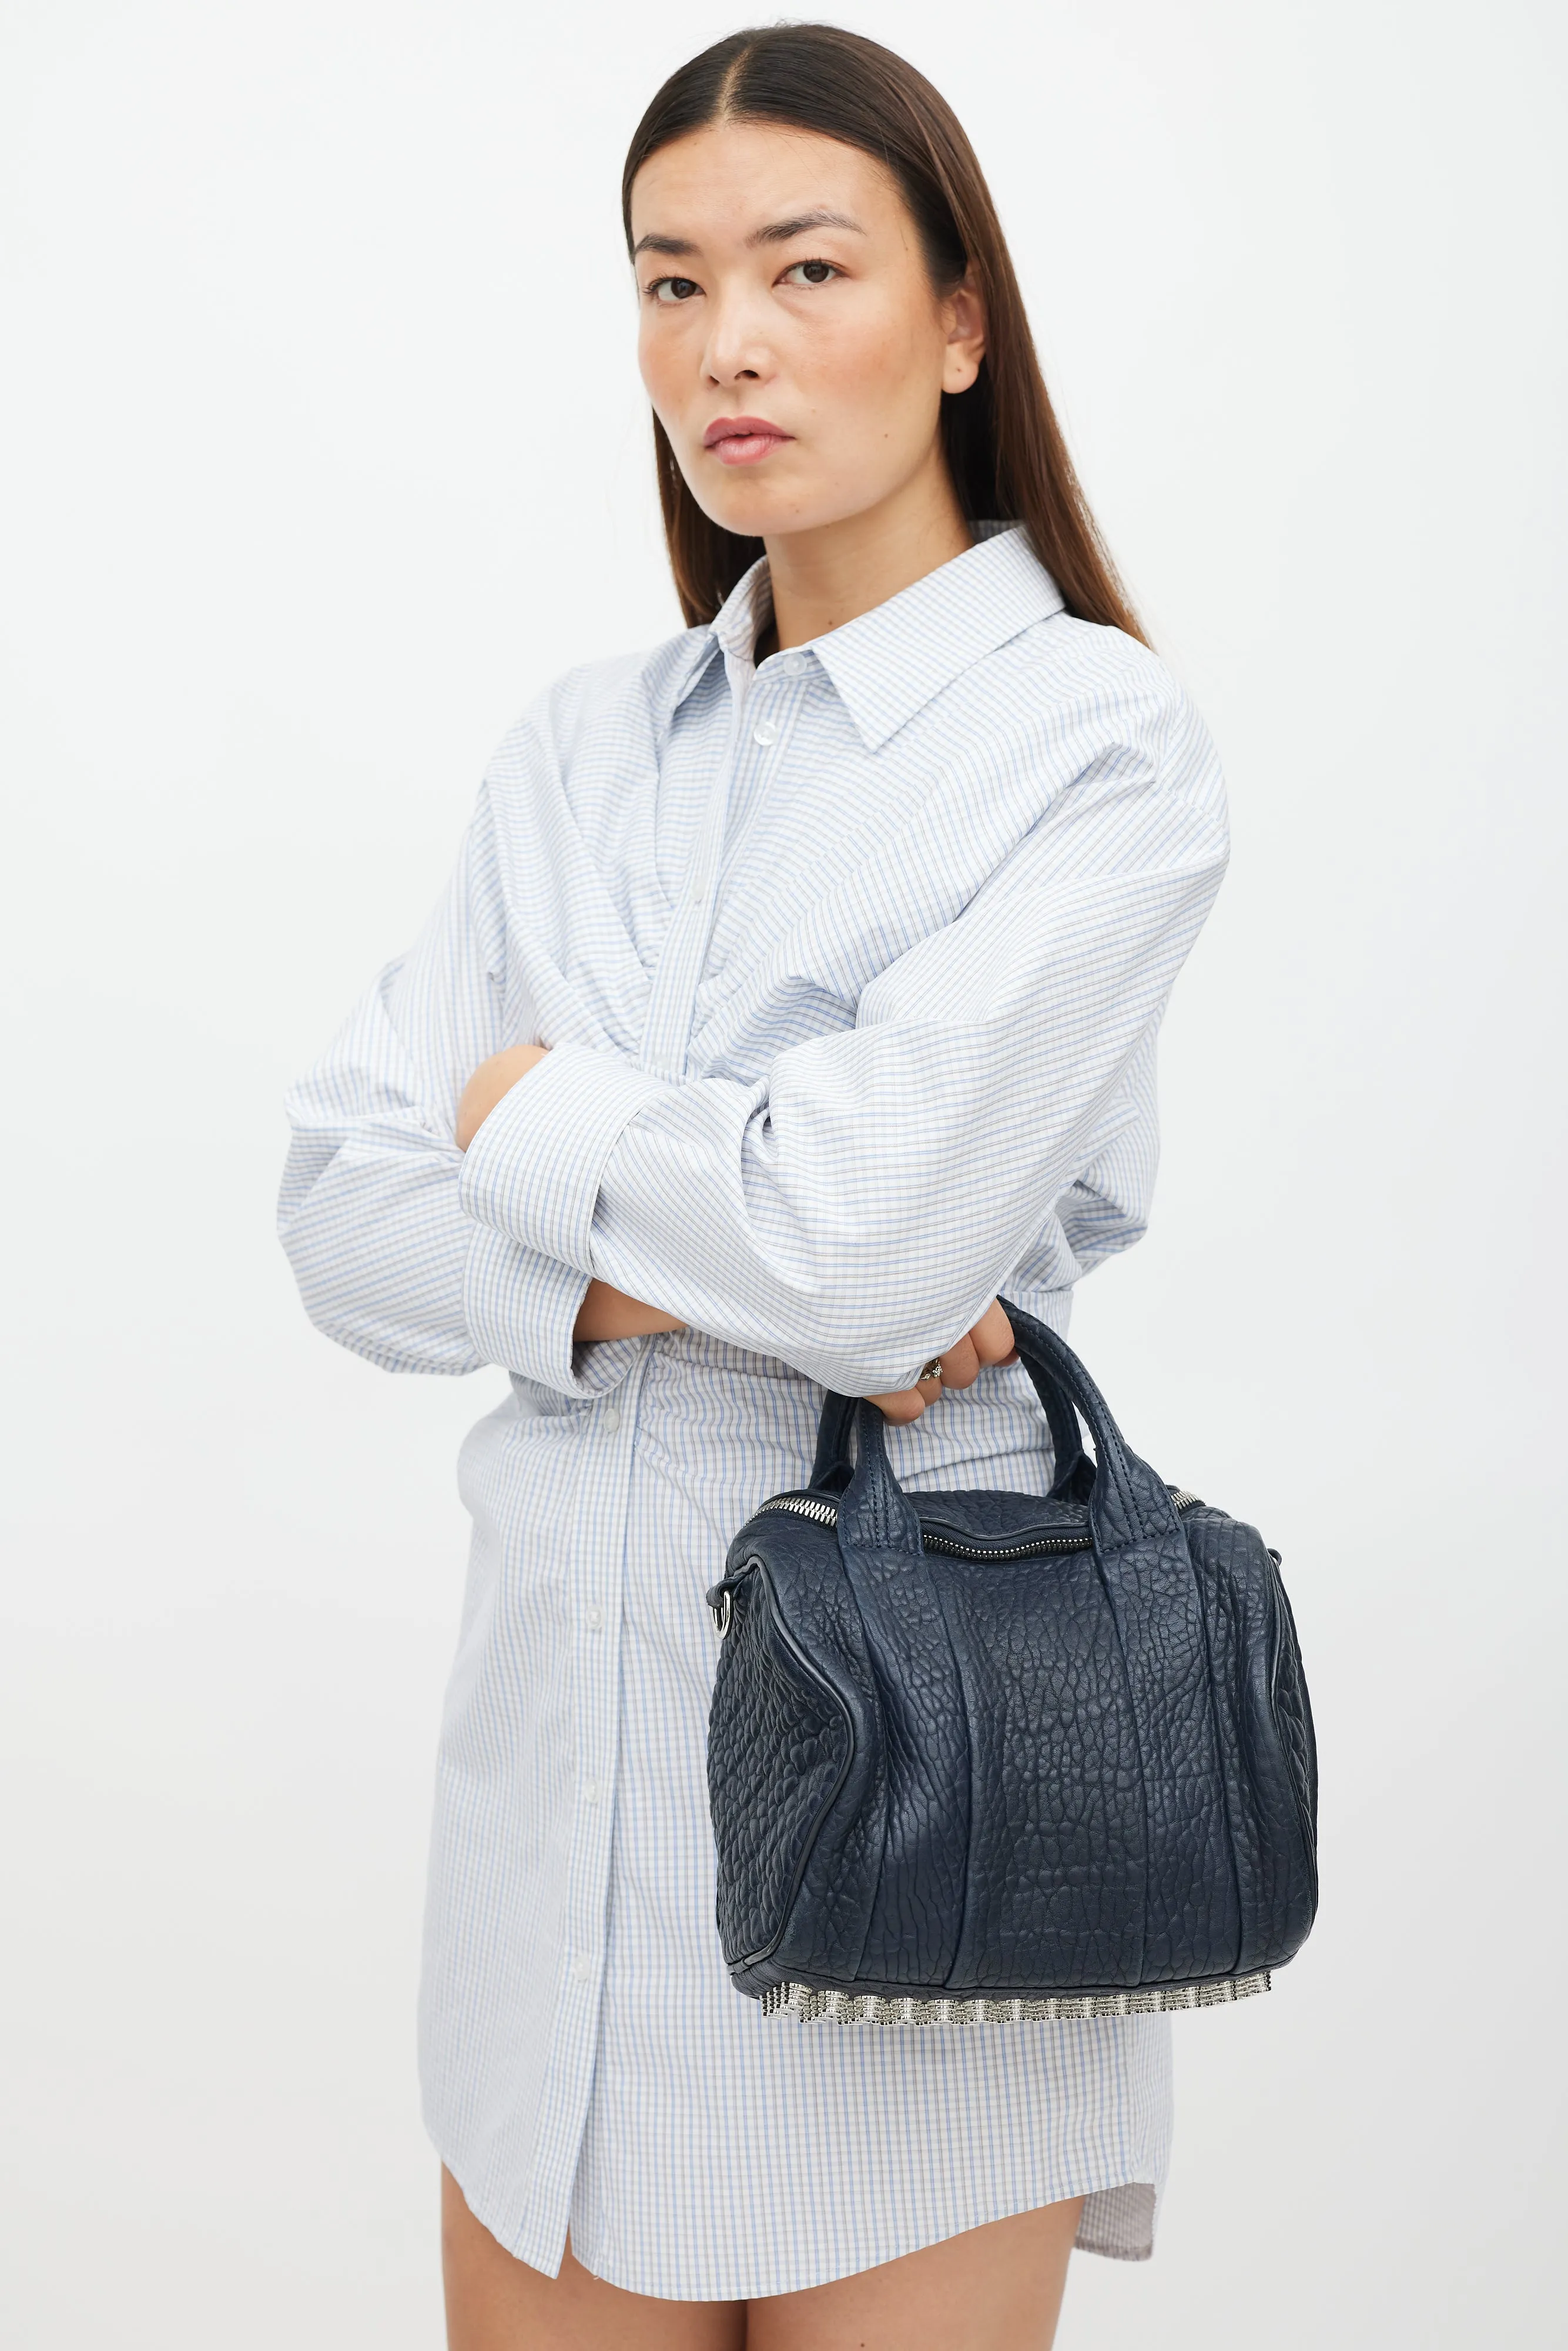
column 737, row 348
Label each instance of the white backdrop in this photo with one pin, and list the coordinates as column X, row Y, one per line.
column 325, row 450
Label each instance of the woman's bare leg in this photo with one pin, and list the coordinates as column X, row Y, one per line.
column 996, row 2288
column 497, row 2303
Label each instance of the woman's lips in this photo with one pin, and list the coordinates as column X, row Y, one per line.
column 742, row 440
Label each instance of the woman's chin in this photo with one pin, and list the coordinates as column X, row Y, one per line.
column 753, row 517
column 779, row 516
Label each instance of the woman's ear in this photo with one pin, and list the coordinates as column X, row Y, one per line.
column 965, row 320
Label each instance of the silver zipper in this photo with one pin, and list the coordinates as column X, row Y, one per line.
column 823, row 1514
column 951, row 1548
column 805, row 1506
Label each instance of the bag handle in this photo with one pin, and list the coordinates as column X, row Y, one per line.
column 832, row 1469
column 1129, row 1504
column 1074, row 1480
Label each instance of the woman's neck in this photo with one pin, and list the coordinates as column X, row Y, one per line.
column 825, row 577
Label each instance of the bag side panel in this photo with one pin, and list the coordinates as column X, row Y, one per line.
column 1291, row 1713
column 1252, row 1644
column 780, row 1743
column 829, row 1919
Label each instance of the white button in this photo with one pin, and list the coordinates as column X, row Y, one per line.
column 591, row 1791
column 593, row 1616
column 612, row 1418
column 765, row 732
column 582, row 1970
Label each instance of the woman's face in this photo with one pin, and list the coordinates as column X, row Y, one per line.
column 791, row 343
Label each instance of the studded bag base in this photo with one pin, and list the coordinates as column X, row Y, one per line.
column 979, row 1758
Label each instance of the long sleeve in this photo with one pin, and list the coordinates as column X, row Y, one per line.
column 388, row 1261
column 854, row 1208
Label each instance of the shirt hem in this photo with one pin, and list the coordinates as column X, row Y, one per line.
column 1134, row 2191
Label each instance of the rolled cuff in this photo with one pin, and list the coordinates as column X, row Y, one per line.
column 522, row 1310
column 533, row 1170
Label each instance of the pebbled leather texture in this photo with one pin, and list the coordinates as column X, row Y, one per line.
column 1086, row 1769
column 791, row 1766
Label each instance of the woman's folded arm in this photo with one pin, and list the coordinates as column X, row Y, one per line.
column 854, row 1209
column 388, row 1261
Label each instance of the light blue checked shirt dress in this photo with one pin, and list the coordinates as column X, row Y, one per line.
column 852, row 967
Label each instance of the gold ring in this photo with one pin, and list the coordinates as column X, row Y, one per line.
column 933, row 1370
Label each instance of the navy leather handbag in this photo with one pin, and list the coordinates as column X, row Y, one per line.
column 982, row 1756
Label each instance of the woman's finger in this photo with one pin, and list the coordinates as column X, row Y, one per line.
column 992, row 1336
column 960, row 1365
column 903, row 1405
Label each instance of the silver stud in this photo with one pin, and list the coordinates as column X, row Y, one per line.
column 807, row 2007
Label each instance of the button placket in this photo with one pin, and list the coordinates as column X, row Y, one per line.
column 680, row 965
column 783, row 693
column 595, row 1727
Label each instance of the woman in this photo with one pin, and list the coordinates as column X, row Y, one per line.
column 797, row 992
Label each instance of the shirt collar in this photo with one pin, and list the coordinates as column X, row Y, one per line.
column 744, row 611
column 897, row 658
column 732, row 630
column 894, row 660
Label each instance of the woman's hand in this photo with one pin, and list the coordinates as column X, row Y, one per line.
column 990, row 1341
column 610, row 1313
column 489, row 1081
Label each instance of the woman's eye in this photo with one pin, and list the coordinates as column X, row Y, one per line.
column 674, row 289
column 810, row 273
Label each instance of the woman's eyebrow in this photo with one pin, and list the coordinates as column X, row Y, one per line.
column 780, row 232
column 776, row 233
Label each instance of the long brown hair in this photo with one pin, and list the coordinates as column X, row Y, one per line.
column 1003, row 445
